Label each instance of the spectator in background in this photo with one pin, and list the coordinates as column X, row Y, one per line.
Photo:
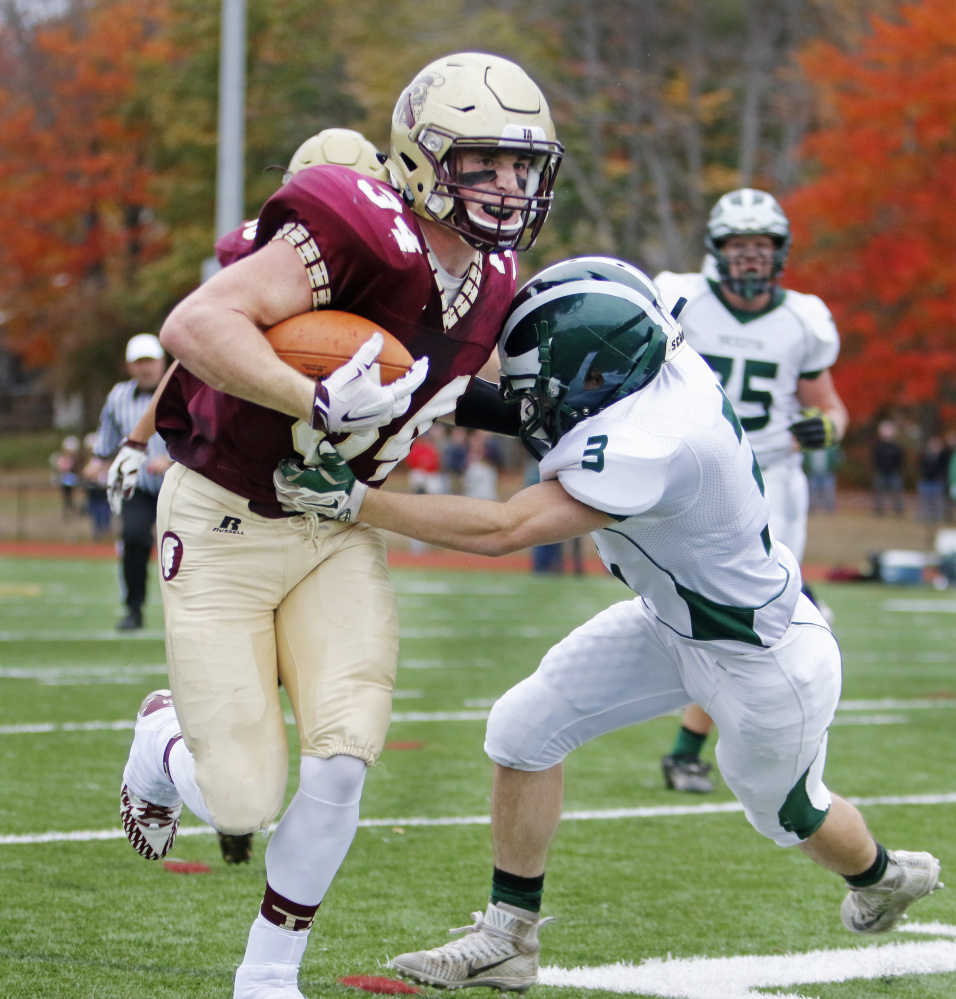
column 424, row 463
column 480, row 480
column 455, row 455
column 821, row 466
column 888, row 458
column 544, row 558
column 126, row 403
column 97, row 504
column 949, row 452
column 66, row 464
column 932, row 485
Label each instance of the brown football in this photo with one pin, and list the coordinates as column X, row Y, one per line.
column 316, row 343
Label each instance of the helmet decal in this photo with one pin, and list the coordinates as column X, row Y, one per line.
column 408, row 110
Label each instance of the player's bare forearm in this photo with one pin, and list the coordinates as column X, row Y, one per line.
column 237, row 360
column 216, row 332
column 541, row 514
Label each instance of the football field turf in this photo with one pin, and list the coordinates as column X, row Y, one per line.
column 656, row 894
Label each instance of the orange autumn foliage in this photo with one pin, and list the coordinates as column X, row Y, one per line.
column 875, row 231
column 74, row 182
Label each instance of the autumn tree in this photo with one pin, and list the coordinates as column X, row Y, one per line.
column 108, row 116
column 876, row 227
column 108, row 131
column 75, row 222
column 296, row 85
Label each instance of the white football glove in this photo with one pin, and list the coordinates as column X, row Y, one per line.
column 329, row 488
column 351, row 400
column 123, row 473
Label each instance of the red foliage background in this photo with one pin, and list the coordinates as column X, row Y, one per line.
column 875, row 231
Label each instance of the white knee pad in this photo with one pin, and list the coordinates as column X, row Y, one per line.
column 336, row 781
column 510, row 742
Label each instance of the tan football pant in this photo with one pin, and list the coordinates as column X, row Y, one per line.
column 250, row 600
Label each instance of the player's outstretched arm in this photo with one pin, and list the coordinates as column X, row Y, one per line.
column 541, row 514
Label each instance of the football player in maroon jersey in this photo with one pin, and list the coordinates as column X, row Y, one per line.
column 338, row 146
column 253, row 591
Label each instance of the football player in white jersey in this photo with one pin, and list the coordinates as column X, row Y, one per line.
column 640, row 447
column 772, row 349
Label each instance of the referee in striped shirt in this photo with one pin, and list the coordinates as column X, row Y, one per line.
column 146, row 363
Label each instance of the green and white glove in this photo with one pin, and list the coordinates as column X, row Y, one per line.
column 329, row 488
column 814, row 430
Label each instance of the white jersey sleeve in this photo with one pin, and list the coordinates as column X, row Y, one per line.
column 821, row 340
column 673, row 287
column 610, row 465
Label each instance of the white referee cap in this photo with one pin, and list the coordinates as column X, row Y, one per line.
column 144, row 345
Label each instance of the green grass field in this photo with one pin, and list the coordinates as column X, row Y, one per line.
column 665, row 894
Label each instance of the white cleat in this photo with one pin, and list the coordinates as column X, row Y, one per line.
column 150, row 806
column 499, row 951
column 908, row 877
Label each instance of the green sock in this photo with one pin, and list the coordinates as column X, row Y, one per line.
column 523, row 893
column 688, row 743
column 872, row 874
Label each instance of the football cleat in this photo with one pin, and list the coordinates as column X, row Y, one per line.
column 235, row 849
column 687, row 773
column 908, row 877
column 150, row 806
column 499, row 951
column 151, row 829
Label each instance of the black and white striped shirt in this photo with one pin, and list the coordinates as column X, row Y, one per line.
column 122, row 410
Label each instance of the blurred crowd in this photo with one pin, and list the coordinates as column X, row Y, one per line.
column 899, row 454
column 453, row 460
column 935, row 472
column 82, row 487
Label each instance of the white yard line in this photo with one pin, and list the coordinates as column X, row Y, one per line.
column 740, row 977
column 480, row 714
column 600, row 815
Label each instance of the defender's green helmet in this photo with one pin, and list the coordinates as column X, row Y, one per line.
column 579, row 336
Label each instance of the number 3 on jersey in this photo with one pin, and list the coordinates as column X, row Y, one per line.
column 594, row 453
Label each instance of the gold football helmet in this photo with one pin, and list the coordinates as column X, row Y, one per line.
column 339, row 147
column 474, row 101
